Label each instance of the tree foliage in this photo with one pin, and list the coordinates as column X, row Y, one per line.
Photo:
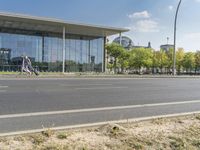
column 189, row 61
column 115, row 50
column 141, row 57
column 165, row 60
column 169, row 59
column 197, row 60
column 179, row 59
column 123, row 60
column 145, row 58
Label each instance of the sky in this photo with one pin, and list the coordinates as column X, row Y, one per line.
column 148, row 20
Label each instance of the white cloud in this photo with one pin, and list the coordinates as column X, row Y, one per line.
column 147, row 26
column 143, row 22
column 139, row 15
column 170, row 7
column 197, row 0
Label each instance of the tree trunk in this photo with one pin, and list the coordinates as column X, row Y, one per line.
column 122, row 69
column 115, row 66
column 161, row 69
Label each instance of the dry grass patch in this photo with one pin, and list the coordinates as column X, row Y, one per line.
column 197, row 117
column 62, row 135
column 178, row 133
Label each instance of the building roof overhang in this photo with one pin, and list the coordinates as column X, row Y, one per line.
column 26, row 22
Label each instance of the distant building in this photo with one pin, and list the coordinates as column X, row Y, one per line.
column 56, row 45
column 128, row 44
column 167, row 47
column 148, row 46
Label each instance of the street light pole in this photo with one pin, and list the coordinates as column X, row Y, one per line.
column 174, row 53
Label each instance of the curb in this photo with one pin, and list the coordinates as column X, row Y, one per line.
column 95, row 76
column 100, row 123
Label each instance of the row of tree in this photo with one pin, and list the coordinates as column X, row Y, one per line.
column 150, row 61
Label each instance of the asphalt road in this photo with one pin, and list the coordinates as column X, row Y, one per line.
column 22, row 96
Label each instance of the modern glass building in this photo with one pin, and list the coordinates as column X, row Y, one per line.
column 52, row 44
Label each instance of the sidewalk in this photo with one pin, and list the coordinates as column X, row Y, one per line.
column 88, row 75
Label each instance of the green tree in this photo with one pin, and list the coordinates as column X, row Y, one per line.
column 189, row 61
column 164, row 60
column 179, row 59
column 124, row 60
column 197, row 60
column 156, row 60
column 141, row 57
column 160, row 60
column 169, row 59
column 114, row 50
column 110, row 66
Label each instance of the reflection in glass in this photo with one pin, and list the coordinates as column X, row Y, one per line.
column 83, row 53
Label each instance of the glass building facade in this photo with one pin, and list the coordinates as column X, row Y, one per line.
column 82, row 53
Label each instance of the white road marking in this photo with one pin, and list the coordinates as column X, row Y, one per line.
column 3, row 91
column 3, row 86
column 83, row 84
column 99, row 123
column 98, row 88
column 94, row 109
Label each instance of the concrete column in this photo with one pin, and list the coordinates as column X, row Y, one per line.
column 120, row 38
column 63, row 65
column 104, row 55
column 43, row 48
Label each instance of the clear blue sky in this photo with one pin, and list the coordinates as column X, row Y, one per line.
column 149, row 20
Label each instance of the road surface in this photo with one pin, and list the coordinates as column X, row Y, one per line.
column 29, row 104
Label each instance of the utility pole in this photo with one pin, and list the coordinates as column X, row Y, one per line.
column 174, row 53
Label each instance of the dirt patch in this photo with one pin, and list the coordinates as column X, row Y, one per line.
column 178, row 133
